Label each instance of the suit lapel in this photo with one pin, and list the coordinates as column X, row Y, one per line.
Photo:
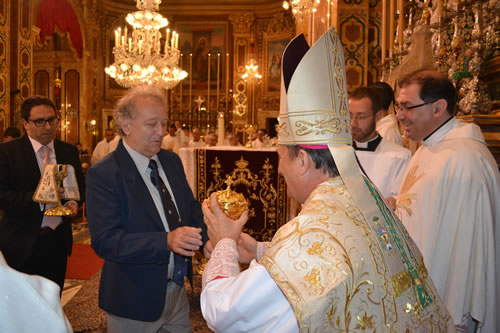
column 136, row 184
column 29, row 156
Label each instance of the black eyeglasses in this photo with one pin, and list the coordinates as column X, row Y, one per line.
column 41, row 122
column 407, row 108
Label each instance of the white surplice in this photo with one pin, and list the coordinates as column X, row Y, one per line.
column 103, row 148
column 385, row 166
column 450, row 202
column 29, row 303
column 387, row 128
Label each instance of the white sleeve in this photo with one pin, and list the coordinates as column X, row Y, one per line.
column 246, row 302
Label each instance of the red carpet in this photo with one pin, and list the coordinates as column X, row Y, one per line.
column 83, row 263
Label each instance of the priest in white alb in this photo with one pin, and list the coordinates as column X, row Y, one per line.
column 450, row 200
column 345, row 263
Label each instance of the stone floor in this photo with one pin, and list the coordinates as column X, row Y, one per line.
column 80, row 298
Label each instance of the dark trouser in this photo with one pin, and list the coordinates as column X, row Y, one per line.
column 49, row 257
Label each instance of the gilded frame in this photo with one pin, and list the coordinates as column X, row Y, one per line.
column 273, row 47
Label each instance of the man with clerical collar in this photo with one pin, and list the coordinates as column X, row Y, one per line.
column 383, row 161
column 449, row 200
column 345, row 262
column 30, row 241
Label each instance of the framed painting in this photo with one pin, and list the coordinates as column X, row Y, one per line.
column 273, row 51
column 200, row 43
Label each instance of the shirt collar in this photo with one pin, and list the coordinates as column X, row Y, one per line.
column 37, row 145
column 141, row 161
column 440, row 132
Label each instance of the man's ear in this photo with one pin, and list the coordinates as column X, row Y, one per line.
column 125, row 126
column 305, row 162
column 440, row 108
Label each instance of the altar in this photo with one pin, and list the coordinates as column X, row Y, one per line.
column 253, row 172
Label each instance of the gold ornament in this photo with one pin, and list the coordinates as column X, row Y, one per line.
column 233, row 204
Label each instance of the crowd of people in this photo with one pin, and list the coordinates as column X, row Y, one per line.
column 384, row 241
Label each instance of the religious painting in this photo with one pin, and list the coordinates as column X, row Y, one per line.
column 273, row 51
column 204, row 54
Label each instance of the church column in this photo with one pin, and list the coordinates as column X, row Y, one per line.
column 242, row 33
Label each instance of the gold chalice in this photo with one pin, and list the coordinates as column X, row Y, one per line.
column 250, row 130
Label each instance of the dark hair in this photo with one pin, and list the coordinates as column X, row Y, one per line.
column 322, row 159
column 13, row 132
column 30, row 102
column 172, row 125
column 371, row 94
column 263, row 130
column 433, row 86
column 385, row 93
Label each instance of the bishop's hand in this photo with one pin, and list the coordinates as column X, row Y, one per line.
column 219, row 226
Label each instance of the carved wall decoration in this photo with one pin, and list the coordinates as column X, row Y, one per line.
column 4, row 64
column 374, row 70
column 353, row 30
column 25, row 53
column 242, row 24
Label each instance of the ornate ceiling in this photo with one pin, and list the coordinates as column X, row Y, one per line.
column 195, row 7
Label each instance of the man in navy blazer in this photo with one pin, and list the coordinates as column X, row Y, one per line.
column 129, row 225
column 31, row 242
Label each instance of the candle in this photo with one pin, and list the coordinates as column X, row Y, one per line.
column 119, row 36
column 208, row 88
column 401, row 24
column 190, row 85
column 227, row 81
column 391, row 26
column 140, row 46
column 176, row 40
column 116, row 38
column 125, row 34
column 130, row 44
column 384, row 29
column 218, row 70
column 220, row 129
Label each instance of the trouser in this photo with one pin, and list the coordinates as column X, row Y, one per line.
column 174, row 318
column 49, row 256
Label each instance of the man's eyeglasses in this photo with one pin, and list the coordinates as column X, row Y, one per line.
column 405, row 108
column 41, row 122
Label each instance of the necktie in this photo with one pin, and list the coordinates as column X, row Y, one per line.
column 173, row 220
column 45, row 156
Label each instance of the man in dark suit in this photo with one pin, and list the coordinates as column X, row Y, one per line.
column 144, row 222
column 31, row 242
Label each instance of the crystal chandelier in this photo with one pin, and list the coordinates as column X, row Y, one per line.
column 140, row 58
column 301, row 7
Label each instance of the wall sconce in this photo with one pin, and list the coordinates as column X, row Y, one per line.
column 91, row 126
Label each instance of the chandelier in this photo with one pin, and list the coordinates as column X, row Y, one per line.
column 301, row 7
column 140, row 58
